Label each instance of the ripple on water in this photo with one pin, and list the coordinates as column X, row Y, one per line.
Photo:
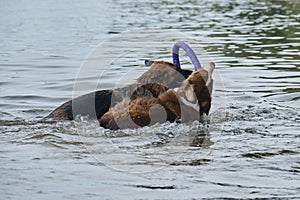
column 147, row 148
column 252, row 153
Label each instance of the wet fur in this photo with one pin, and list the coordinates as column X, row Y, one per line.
column 161, row 76
column 166, row 107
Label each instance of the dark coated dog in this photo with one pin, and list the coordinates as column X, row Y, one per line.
column 188, row 103
column 158, row 79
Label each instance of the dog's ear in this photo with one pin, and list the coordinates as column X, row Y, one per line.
column 149, row 62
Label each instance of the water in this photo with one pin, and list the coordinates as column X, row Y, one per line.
column 248, row 148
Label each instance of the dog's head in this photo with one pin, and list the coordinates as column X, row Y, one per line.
column 164, row 73
column 195, row 92
column 132, row 114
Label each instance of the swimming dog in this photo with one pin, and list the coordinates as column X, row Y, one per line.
column 158, row 79
column 187, row 103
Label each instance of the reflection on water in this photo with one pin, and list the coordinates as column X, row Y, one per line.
column 255, row 152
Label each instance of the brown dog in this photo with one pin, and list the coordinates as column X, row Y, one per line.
column 159, row 78
column 188, row 103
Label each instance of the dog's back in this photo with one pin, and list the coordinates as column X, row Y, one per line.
column 161, row 76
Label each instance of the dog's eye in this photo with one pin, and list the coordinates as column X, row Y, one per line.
column 139, row 117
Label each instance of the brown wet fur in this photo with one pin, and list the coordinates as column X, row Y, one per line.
column 161, row 76
column 164, row 73
column 139, row 112
column 166, row 107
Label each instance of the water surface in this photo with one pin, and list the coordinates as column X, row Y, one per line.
column 248, row 147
